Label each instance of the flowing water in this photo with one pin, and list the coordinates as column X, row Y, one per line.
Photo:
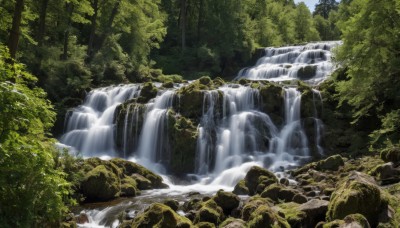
column 233, row 133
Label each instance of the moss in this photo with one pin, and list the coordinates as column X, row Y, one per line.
column 357, row 218
column 251, row 205
column 334, row 224
column 227, row 201
column 205, row 225
column 182, row 135
column 240, row 188
column 355, row 195
column 331, row 163
column 293, row 215
column 307, row 72
column 264, row 216
column 233, row 223
column 253, row 176
column 159, row 215
column 142, row 182
column 218, row 82
column 129, row 187
column 128, row 168
column 148, row 92
column 209, row 212
column 205, row 80
column 100, row 184
column 272, row 101
column 272, row 192
column 391, row 154
column 173, row 204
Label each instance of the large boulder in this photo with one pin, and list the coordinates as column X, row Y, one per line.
column 391, row 154
column 100, row 184
column 358, row 193
column 209, row 212
column 233, row 223
column 255, row 176
column 227, row 201
column 265, row 217
column 331, row 163
column 294, row 216
column 160, row 215
column 278, row 192
column 148, row 91
column 315, row 211
column 241, row 188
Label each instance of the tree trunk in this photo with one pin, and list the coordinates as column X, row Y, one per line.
column 93, row 29
column 14, row 32
column 200, row 20
column 110, row 21
column 42, row 22
column 182, row 17
column 69, row 8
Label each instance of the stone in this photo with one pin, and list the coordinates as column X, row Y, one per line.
column 307, row 72
column 227, row 201
column 315, row 211
column 100, row 184
column 265, row 217
column 251, row 205
column 284, row 181
column 233, row 223
column 252, row 178
column 300, row 199
column 142, row 182
column 391, row 154
column 331, row 163
column 160, row 215
column 205, row 225
column 240, row 188
column 173, row 204
column 82, row 218
column 292, row 214
column 129, row 187
column 356, row 221
column 209, row 212
column 148, row 91
column 357, row 194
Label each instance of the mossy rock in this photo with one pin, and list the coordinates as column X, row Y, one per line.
column 233, row 223
column 265, row 217
column 227, row 201
column 209, row 212
column 240, row 188
column 128, row 168
column 160, row 215
column 278, row 192
column 173, row 204
column 182, row 135
column 307, row 72
column 129, row 187
column 148, row 92
column 218, row 82
column 254, row 175
column 205, row 225
column 142, row 182
column 294, row 216
column 272, row 101
column 205, row 80
column 391, row 154
column 100, row 184
column 331, row 163
column 358, row 193
column 251, row 205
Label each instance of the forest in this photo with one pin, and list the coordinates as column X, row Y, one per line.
column 54, row 52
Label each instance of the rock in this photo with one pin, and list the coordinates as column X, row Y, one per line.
column 82, row 218
column 209, row 212
column 292, row 214
column 391, row 154
column 129, row 168
column 284, row 181
column 100, row 184
column 227, row 201
column 254, row 175
column 278, row 193
column 331, row 163
column 307, row 72
column 251, row 205
column 205, row 225
column 358, row 193
column 193, row 204
column 265, row 217
column 315, row 211
column 356, row 221
column 233, row 223
column 142, row 182
column 299, row 198
column 272, row 101
column 205, row 80
column 240, row 188
column 385, row 172
column 147, row 92
column 129, row 187
column 159, row 215
column 173, row 204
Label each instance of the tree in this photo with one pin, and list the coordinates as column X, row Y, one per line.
column 305, row 30
column 370, row 55
column 15, row 29
column 32, row 190
column 324, row 7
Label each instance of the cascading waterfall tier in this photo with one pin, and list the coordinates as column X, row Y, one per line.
column 310, row 62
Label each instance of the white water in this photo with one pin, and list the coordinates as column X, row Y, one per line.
column 286, row 63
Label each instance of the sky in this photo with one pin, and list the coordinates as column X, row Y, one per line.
column 309, row 3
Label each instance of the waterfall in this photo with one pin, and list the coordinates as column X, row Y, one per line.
column 153, row 140
column 311, row 62
column 90, row 127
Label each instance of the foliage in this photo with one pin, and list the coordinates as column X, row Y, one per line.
column 370, row 55
column 32, row 190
